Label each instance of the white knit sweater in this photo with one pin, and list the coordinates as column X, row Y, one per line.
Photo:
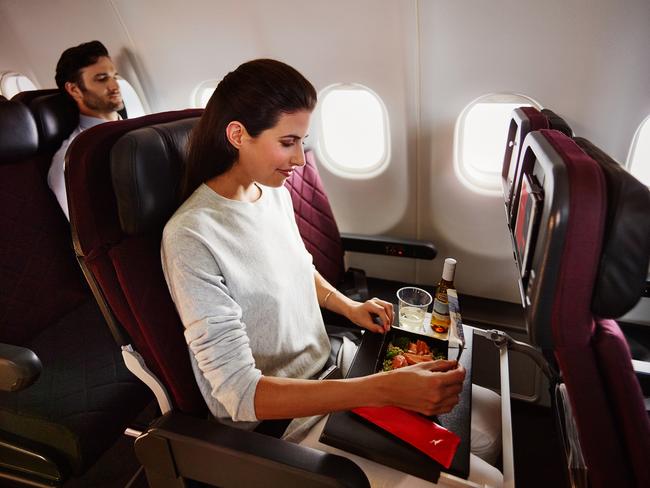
column 243, row 285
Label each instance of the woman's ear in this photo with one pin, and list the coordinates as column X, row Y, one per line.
column 236, row 133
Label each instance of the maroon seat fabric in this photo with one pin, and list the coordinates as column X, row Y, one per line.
column 537, row 119
column 126, row 269
column 315, row 220
column 593, row 356
column 624, row 393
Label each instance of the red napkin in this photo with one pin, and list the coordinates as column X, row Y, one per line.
column 432, row 439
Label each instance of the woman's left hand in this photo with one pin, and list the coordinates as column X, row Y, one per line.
column 365, row 314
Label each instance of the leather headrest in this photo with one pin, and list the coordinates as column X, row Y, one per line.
column 18, row 134
column 146, row 167
column 56, row 117
column 623, row 266
column 556, row 122
column 28, row 96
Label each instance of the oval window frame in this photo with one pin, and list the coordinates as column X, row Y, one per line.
column 195, row 98
column 477, row 180
column 6, row 76
column 629, row 161
column 327, row 160
column 132, row 99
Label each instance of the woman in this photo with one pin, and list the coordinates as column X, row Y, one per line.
column 244, row 284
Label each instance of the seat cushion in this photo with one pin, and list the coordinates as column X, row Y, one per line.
column 85, row 396
column 625, row 397
column 40, row 280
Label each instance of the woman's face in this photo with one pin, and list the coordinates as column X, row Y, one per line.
column 270, row 158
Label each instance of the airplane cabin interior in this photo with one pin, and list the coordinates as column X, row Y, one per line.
column 483, row 164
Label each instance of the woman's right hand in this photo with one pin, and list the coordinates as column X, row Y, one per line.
column 429, row 388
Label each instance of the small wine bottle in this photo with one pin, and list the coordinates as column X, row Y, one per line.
column 440, row 316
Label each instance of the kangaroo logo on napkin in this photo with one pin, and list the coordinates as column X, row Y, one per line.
column 425, row 435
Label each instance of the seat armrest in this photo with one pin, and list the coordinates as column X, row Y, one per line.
column 389, row 246
column 19, row 367
column 178, row 447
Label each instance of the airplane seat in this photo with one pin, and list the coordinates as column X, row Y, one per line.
column 320, row 233
column 122, row 181
column 524, row 120
column 65, row 395
column 622, row 276
column 561, row 241
column 56, row 116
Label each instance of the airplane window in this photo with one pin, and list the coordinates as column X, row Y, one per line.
column 131, row 99
column 203, row 92
column 638, row 159
column 352, row 133
column 480, row 137
column 12, row 83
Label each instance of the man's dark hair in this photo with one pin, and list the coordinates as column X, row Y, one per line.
column 74, row 59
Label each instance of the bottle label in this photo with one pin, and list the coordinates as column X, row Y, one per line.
column 441, row 307
column 440, row 318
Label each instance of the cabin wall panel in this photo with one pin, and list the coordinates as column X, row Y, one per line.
column 575, row 57
column 12, row 52
column 45, row 28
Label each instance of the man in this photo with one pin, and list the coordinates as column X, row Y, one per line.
column 87, row 74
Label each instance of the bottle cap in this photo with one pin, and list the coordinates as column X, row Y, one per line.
column 449, row 269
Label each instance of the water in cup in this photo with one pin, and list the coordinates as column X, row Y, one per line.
column 411, row 318
column 413, row 303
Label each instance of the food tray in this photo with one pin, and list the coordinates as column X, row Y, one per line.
column 441, row 346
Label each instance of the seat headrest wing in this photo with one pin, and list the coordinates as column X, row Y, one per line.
column 18, row 134
column 556, row 122
column 146, row 166
column 623, row 265
column 56, row 117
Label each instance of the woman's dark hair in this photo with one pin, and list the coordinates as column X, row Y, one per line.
column 74, row 59
column 255, row 94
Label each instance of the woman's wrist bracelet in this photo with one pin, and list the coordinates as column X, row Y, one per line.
column 327, row 298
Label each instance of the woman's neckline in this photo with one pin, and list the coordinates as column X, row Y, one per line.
column 236, row 200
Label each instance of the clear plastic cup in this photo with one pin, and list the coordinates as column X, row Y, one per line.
column 413, row 303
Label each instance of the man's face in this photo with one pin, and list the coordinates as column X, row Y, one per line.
column 98, row 93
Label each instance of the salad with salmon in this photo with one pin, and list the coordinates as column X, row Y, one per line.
column 402, row 351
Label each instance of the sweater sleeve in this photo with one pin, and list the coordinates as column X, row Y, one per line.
column 214, row 330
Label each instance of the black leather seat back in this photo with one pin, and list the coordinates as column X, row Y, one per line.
column 623, row 265
column 146, row 167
